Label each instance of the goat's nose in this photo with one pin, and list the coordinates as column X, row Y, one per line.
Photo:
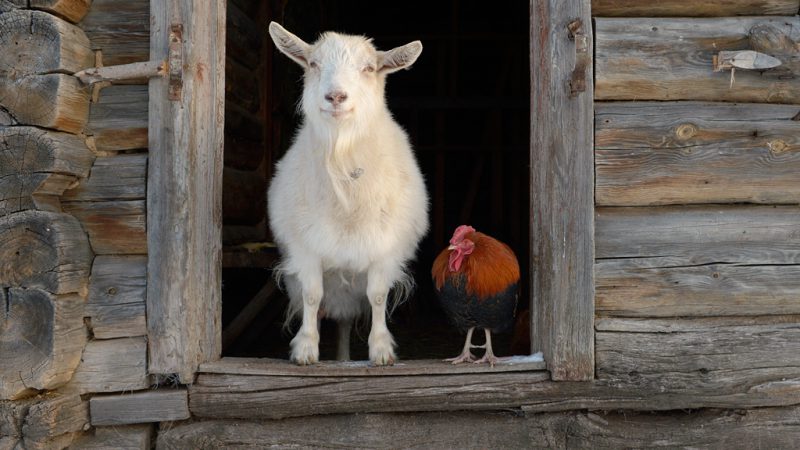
column 336, row 97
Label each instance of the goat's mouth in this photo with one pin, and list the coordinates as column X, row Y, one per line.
column 337, row 113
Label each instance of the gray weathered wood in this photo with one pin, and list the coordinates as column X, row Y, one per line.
column 690, row 236
column 711, row 353
column 120, row 29
column 184, row 208
column 41, row 341
column 35, row 46
column 36, row 166
column 120, row 177
column 655, row 153
column 682, row 8
column 773, row 39
column 671, row 59
column 141, row 407
column 114, row 227
column 282, row 367
column 12, row 413
column 131, row 437
column 111, row 365
column 741, row 429
column 118, row 120
column 44, row 250
column 562, row 184
column 632, row 288
column 116, row 303
column 72, row 10
column 55, row 422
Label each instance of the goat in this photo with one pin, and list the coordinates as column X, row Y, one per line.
column 347, row 204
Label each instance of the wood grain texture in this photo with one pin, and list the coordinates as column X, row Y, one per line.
column 118, row 120
column 116, row 303
column 111, row 365
column 670, row 59
column 657, row 153
column 131, row 437
column 120, row 177
column 71, row 10
column 120, row 29
column 680, row 8
column 770, row 427
column 141, row 407
column 41, row 339
column 55, row 422
column 114, row 227
column 36, row 166
column 184, row 192
column 55, row 101
column 562, row 184
column 44, row 250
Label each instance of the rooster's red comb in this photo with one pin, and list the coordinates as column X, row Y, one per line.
column 459, row 234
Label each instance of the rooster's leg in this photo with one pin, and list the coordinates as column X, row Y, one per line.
column 489, row 355
column 466, row 355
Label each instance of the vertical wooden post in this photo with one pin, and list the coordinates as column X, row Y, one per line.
column 186, row 118
column 562, row 181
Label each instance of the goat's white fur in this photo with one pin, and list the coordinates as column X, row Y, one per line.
column 347, row 204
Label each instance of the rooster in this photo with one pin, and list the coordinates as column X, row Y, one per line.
column 477, row 279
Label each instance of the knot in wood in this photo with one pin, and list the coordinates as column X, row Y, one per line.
column 685, row 131
column 777, row 146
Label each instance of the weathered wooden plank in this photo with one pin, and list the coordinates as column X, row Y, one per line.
column 118, row 120
column 281, row 367
column 681, row 8
column 684, row 236
column 656, row 153
column 141, row 407
column 53, row 100
column 37, row 165
column 740, row 429
column 711, row 353
column 184, row 192
column 12, row 413
column 44, row 250
column 120, row 177
column 244, row 199
column 71, row 10
column 255, row 397
column 670, row 59
column 463, row 430
column 131, row 437
column 562, row 188
column 111, row 365
column 116, row 303
column 632, row 288
column 41, row 341
column 120, row 29
column 114, row 227
column 55, row 422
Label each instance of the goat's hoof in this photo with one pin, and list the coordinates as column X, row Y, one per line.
column 305, row 350
column 381, row 351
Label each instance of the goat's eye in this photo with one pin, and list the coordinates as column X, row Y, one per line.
column 313, row 64
column 369, row 69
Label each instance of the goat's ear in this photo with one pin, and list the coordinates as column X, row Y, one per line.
column 291, row 45
column 399, row 58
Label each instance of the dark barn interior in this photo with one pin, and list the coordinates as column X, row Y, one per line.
column 465, row 105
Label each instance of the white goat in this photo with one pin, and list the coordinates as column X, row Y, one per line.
column 347, row 205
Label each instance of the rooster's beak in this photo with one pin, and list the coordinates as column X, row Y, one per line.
column 452, row 247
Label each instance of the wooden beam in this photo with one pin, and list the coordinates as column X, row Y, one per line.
column 162, row 405
column 36, row 166
column 71, row 10
column 118, row 120
column 680, row 8
column 43, row 337
column 658, row 153
column 130, row 437
column 55, row 422
column 120, row 29
column 44, row 250
column 114, row 227
column 55, row 101
column 184, row 190
column 249, row 313
column 119, row 177
column 116, row 303
column 671, row 59
column 111, row 365
column 562, row 184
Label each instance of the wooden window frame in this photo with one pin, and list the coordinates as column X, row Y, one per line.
column 184, row 187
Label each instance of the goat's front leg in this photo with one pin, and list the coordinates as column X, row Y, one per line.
column 381, row 343
column 305, row 345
